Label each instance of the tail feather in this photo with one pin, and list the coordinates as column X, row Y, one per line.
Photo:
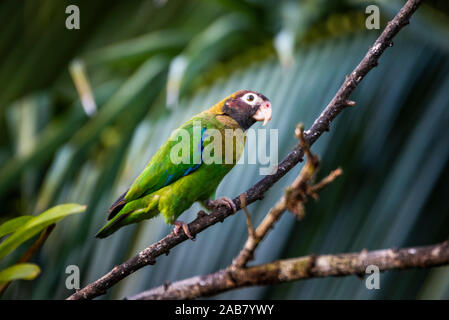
column 110, row 227
column 117, row 206
column 134, row 211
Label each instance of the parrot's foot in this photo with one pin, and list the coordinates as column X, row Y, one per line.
column 223, row 201
column 181, row 224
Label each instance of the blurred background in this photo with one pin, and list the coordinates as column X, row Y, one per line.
column 152, row 64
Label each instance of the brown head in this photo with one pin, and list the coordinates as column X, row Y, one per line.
column 245, row 107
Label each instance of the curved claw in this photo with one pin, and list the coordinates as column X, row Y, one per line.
column 181, row 224
column 223, row 201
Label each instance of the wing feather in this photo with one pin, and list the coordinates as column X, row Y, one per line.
column 161, row 171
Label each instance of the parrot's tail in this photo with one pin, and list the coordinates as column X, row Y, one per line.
column 134, row 211
column 117, row 206
column 112, row 226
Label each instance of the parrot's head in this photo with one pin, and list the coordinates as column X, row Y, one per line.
column 247, row 107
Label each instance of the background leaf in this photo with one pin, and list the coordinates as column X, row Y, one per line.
column 25, row 271
column 37, row 224
column 13, row 224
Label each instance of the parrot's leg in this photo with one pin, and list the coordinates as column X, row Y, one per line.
column 223, row 201
column 181, row 224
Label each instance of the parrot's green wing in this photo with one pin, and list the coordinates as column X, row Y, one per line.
column 179, row 156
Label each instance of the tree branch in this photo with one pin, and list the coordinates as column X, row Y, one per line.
column 300, row 268
column 321, row 124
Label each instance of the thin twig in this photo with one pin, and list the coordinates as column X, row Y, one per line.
column 325, row 182
column 321, row 125
column 251, row 231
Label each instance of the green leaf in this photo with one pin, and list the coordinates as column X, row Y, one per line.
column 37, row 224
column 140, row 48
column 25, row 271
column 13, row 224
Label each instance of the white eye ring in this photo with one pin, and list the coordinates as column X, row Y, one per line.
column 250, row 98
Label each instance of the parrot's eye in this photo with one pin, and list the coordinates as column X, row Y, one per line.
column 250, row 98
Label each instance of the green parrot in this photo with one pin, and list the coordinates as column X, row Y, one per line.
column 170, row 186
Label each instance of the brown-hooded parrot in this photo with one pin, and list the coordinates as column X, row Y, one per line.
column 170, row 187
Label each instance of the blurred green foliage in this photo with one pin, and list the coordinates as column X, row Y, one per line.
column 153, row 64
column 19, row 230
column 20, row 271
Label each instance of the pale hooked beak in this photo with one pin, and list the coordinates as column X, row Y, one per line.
column 263, row 113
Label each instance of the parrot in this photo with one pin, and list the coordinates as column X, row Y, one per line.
column 170, row 187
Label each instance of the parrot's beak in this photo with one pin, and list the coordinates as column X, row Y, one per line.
column 263, row 113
